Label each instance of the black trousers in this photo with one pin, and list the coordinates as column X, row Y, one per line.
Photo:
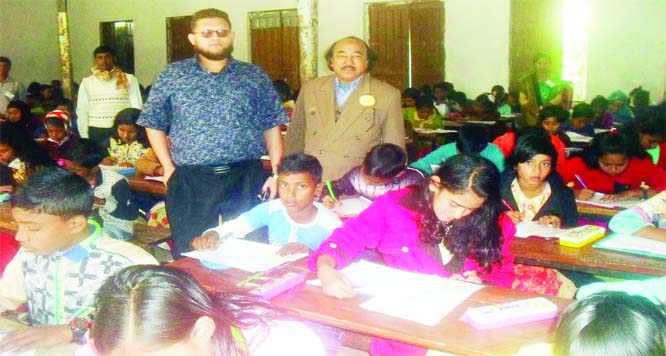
column 198, row 194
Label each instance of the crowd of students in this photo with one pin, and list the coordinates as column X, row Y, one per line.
column 451, row 213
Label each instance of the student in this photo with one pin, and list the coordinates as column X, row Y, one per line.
column 295, row 221
column 471, row 139
column 550, row 119
column 128, row 141
column 619, row 110
column 652, row 137
column 440, row 94
column 384, row 169
column 60, row 136
column 425, row 116
column 581, row 119
column 614, row 164
column 483, row 109
column 643, row 219
column 602, row 119
column 192, row 321
column 19, row 156
column 451, row 225
column 409, row 97
column 499, row 97
column 113, row 196
column 64, row 257
column 611, row 324
column 532, row 189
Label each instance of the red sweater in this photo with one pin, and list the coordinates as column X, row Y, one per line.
column 638, row 170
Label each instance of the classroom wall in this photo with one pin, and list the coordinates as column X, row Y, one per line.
column 29, row 37
column 626, row 42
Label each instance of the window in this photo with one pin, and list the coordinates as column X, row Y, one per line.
column 120, row 36
column 274, row 44
column 409, row 41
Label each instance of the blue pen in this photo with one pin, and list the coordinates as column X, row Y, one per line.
column 580, row 180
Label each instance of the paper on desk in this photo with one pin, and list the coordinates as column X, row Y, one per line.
column 576, row 137
column 5, row 353
column 156, row 178
column 596, row 201
column 633, row 244
column 434, row 131
column 478, row 122
column 246, row 255
column 421, row 298
column 352, row 206
column 528, row 228
column 596, row 130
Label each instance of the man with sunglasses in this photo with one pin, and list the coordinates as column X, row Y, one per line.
column 221, row 116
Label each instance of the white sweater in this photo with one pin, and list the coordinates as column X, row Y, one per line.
column 100, row 101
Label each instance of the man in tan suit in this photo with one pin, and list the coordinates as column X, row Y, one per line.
column 339, row 118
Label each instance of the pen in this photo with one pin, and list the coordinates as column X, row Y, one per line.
column 507, row 205
column 580, row 180
column 330, row 190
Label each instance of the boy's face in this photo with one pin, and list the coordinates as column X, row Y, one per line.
column 42, row 234
column 297, row 191
column 551, row 125
column 87, row 173
column 56, row 133
column 7, row 153
column 424, row 113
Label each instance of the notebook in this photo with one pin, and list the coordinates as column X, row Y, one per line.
column 633, row 244
column 596, row 201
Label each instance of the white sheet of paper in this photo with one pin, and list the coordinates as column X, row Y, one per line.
column 532, row 228
column 596, row 130
column 352, row 206
column 421, row 298
column 434, row 168
column 576, row 137
column 156, row 178
column 596, row 200
column 635, row 243
column 480, row 122
column 434, row 131
column 246, row 255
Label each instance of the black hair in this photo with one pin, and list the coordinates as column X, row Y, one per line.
column 385, row 160
column 424, row 101
column 25, row 112
column 426, row 90
column 445, row 86
column 25, row 148
column 129, row 116
column 471, row 139
column 6, row 60
column 555, row 111
column 372, row 56
column 411, row 93
column 653, row 125
column 599, row 101
column 210, row 13
column 459, row 97
column 530, row 144
column 612, row 142
column 151, row 307
column 283, row 89
column 498, row 88
column 54, row 191
column 583, row 110
column 54, row 121
column 302, row 163
column 477, row 235
column 104, row 49
column 86, row 153
column 611, row 323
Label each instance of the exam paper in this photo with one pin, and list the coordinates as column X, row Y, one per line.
column 596, row 201
column 245, row 255
column 434, row 131
column 352, row 206
column 421, row 298
column 576, row 137
column 528, row 228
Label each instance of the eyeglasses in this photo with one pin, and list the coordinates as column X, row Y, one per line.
column 209, row 33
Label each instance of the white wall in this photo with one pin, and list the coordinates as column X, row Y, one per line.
column 627, row 46
column 29, row 37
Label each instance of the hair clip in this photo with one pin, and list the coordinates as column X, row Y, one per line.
column 613, row 131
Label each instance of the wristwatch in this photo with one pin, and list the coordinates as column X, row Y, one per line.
column 79, row 327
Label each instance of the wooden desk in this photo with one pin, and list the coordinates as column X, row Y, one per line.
column 549, row 253
column 139, row 184
column 450, row 335
column 592, row 212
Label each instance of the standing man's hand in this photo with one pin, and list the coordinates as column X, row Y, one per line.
column 168, row 171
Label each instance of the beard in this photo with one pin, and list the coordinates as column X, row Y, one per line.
column 220, row 54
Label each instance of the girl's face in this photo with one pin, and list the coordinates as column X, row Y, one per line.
column 7, row 153
column 449, row 206
column 424, row 113
column 408, row 102
column 533, row 172
column 14, row 114
column 615, row 106
column 56, row 133
column 613, row 164
column 551, row 125
column 578, row 122
column 127, row 133
column 649, row 141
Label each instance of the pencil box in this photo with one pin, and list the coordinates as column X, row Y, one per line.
column 511, row 313
column 274, row 286
column 581, row 236
column 4, row 197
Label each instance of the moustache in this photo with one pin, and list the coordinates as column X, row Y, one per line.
column 349, row 67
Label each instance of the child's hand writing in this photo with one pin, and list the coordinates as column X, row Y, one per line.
column 330, row 203
column 584, row 194
column 516, row 216
column 552, row 220
column 125, row 164
column 109, row 161
column 293, row 248
column 334, row 283
column 208, row 241
column 626, row 195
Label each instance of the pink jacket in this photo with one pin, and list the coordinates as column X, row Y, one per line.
column 392, row 230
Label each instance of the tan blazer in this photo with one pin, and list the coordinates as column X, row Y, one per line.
column 342, row 145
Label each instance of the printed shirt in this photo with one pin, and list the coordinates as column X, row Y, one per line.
column 529, row 206
column 213, row 119
column 124, row 152
column 61, row 286
column 281, row 228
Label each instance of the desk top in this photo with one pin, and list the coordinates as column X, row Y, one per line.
column 597, row 211
column 139, row 184
column 548, row 253
column 450, row 335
